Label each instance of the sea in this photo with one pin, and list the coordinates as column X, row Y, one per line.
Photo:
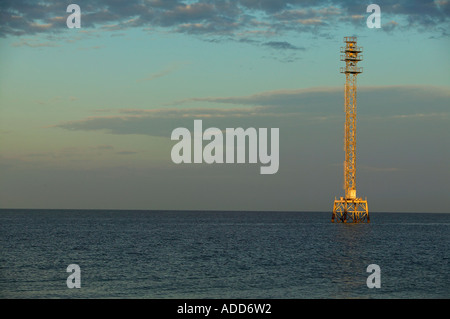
column 222, row 255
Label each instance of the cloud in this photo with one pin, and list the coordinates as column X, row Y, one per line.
column 378, row 169
column 215, row 18
column 280, row 108
column 422, row 115
column 390, row 26
column 33, row 43
column 56, row 100
column 282, row 45
column 127, row 153
column 169, row 69
column 159, row 122
column 379, row 100
column 94, row 47
column 103, row 147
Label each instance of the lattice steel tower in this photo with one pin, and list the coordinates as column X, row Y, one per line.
column 350, row 208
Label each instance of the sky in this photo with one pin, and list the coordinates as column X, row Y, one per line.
column 86, row 114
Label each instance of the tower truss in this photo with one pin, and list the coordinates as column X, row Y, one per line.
column 350, row 208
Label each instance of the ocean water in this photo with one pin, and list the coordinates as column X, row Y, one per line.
column 187, row 254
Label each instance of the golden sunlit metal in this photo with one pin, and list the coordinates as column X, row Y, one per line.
column 350, row 208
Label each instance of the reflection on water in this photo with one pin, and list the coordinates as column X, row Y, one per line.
column 352, row 256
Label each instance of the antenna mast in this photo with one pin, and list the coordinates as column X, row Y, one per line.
column 350, row 208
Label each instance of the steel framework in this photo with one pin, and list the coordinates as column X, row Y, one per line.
column 350, row 208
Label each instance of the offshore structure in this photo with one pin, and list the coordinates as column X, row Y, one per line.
column 350, row 208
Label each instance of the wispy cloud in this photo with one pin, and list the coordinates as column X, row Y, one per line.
column 166, row 71
column 127, row 153
column 94, row 47
column 33, row 43
column 421, row 116
column 103, row 147
column 56, row 100
column 282, row 45
column 378, row 169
